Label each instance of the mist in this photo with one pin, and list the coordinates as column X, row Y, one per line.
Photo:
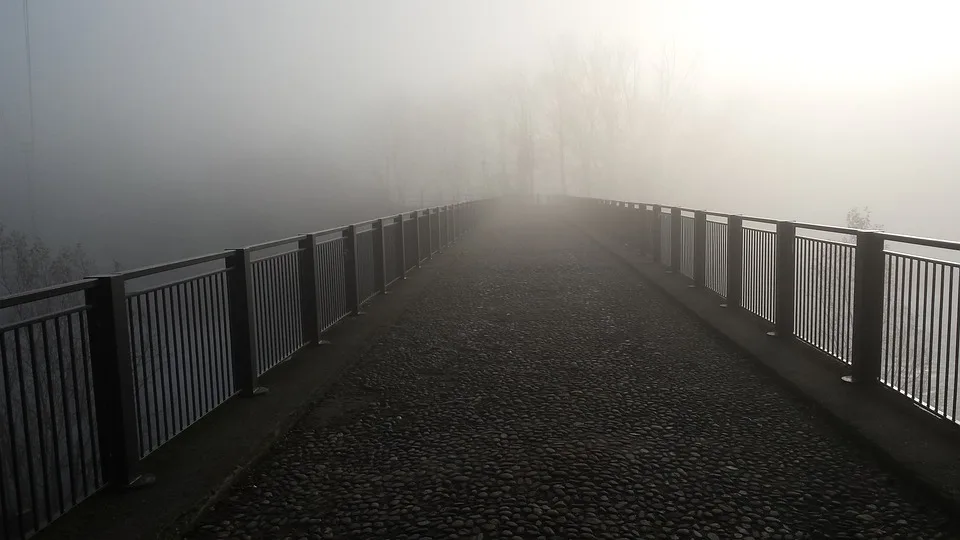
column 163, row 130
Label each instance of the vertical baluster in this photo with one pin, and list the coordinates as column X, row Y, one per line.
column 379, row 257
column 956, row 336
column 350, row 269
column 5, row 365
column 401, row 248
column 699, row 248
column 676, row 241
column 54, row 425
column 309, row 290
column 939, row 337
column 189, row 358
column 173, row 360
column 888, row 334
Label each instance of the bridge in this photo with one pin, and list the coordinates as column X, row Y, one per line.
column 559, row 368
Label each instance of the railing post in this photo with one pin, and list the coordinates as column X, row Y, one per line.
column 242, row 329
column 734, row 261
column 441, row 228
column 416, row 229
column 350, row 269
column 643, row 230
column 676, row 240
column 785, row 275
column 309, row 292
column 113, row 382
column 444, row 224
column 401, row 249
column 456, row 222
column 379, row 257
column 656, row 234
column 429, row 234
column 869, row 269
column 629, row 211
column 699, row 248
column 449, row 224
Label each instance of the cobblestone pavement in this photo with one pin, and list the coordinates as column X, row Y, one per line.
column 539, row 390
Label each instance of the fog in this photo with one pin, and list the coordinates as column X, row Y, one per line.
column 166, row 129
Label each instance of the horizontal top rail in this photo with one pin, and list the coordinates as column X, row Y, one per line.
column 166, row 267
column 756, row 219
column 43, row 318
column 904, row 238
column 372, row 223
column 827, row 228
column 332, row 230
column 46, row 292
column 826, row 241
column 173, row 283
column 136, row 273
column 275, row 243
column 924, row 258
column 921, row 241
column 277, row 255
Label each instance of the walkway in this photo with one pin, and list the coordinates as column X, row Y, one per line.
column 538, row 389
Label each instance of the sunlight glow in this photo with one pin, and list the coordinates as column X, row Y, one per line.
column 831, row 43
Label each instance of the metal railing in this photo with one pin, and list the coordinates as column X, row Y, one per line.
column 890, row 316
column 98, row 374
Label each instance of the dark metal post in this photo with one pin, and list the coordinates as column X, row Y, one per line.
column 379, row 257
column 429, row 234
column 699, row 248
column 646, row 230
column 401, row 249
column 786, row 261
column 656, row 234
column 628, row 212
column 309, row 292
column 242, row 330
column 440, row 236
column 444, row 226
column 416, row 229
column 350, row 269
column 441, row 228
column 456, row 222
column 868, row 297
column 676, row 240
column 113, row 382
column 734, row 261
column 643, row 230
column 449, row 224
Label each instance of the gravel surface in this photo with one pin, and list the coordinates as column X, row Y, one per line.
column 538, row 390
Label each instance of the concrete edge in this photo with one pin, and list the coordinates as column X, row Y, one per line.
column 189, row 518
column 918, row 447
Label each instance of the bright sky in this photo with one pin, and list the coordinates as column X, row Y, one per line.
column 846, row 93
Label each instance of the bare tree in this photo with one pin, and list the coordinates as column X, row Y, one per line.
column 862, row 218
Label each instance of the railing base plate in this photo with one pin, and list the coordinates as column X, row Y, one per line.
column 258, row 391
column 142, row 480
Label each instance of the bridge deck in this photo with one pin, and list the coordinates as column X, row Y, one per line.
column 539, row 389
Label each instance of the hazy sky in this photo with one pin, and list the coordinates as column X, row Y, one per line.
column 835, row 103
